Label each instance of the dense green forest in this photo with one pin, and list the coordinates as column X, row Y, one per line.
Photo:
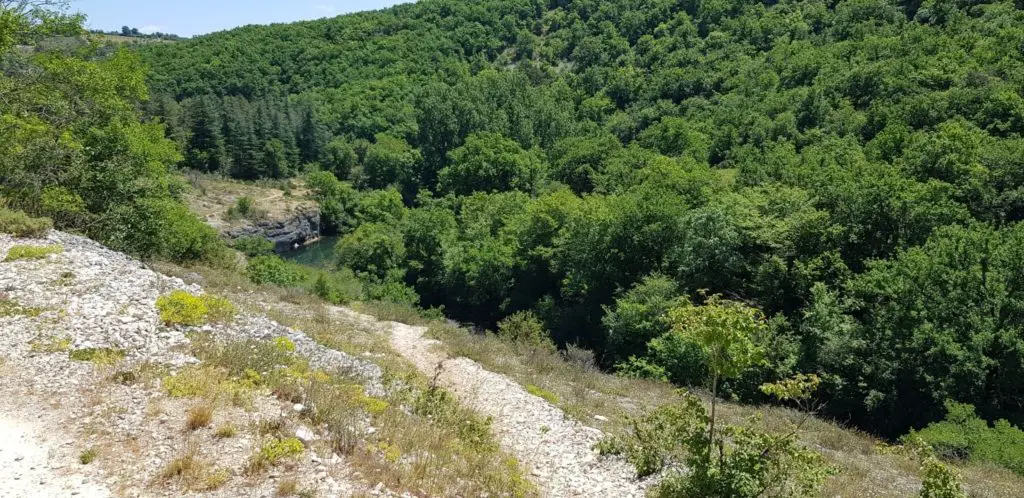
column 854, row 169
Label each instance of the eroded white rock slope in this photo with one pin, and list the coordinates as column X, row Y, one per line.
column 53, row 408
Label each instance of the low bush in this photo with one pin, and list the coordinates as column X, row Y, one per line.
column 939, row 480
column 195, row 381
column 22, row 252
column 965, row 436
column 50, row 344
column 242, row 208
column 19, row 224
column 391, row 291
column 181, row 308
column 159, row 227
column 279, row 449
column 254, row 246
column 338, row 287
column 218, row 309
column 525, row 328
column 275, row 270
column 442, row 407
column 274, row 451
column 245, row 207
column 739, row 461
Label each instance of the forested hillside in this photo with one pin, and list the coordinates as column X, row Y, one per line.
column 854, row 169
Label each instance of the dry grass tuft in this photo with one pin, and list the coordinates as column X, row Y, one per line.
column 199, row 416
column 186, row 468
column 191, row 472
column 225, row 431
column 287, row 487
column 88, row 456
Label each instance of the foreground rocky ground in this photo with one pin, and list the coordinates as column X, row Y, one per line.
column 84, row 363
column 58, row 410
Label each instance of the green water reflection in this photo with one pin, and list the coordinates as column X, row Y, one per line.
column 319, row 254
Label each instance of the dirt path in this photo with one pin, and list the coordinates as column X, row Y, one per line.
column 29, row 470
column 556, row 450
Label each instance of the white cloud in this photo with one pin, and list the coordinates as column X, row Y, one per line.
column 325, row 8
column 153, row 28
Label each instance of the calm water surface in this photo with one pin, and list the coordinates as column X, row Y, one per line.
column 319, row 254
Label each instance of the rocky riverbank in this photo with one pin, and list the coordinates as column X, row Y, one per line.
column 295, row 229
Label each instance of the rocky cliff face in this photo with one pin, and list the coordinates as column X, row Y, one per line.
column 298, row 228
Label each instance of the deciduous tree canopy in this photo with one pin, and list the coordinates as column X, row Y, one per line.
column 852, row 169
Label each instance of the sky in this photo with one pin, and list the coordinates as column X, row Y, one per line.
column 196, row 17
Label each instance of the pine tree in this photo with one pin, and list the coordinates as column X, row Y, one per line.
column 206, row 145
column 309, row 136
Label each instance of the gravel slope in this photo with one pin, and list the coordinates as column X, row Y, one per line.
column 556, row 449
column 53, row 408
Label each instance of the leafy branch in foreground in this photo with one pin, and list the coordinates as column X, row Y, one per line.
column 729, row 460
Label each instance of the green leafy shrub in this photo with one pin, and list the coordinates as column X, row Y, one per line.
column 730, row 460
column 641, row 368
column 739, row 462
column 161, row 227
column 245, row 207
column 525, row 328
column 284, row 345
column 19, row 224
column 391, row 291
column 640, row 315
column 274, row 270
column 181, row 308
column 660, row 436
column 441, row 406
column 22, row 252
column 275, row 450
column 338, row 287
column 242, row 208
column 254, row 246
column 218, row 309
column 65, row 207
column 965, row 436
column 939, row 480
